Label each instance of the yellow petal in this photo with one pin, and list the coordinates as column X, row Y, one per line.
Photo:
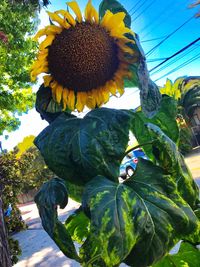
column 98, row 96
column 53, row 29
column 59, row 92
column 58, row 19
column 67, row 16
column 118, row 32
column 91, row 100
column 54, row 85
column 106, row 18
column 81, row 101
column 47, row 79
column 39, row 34
column 120, row 90
column 115, row 20
column 71, row 99
column 74, row 6
column 106, row 95
column 47, row 42
column 64, row 97
column 112, row 87
column 90, row 13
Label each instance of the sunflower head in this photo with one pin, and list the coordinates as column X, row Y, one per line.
column 85, row 58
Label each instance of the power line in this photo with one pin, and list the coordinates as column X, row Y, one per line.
column 143, row 3
column 168, row 36
column 155, row 59
column 163, row 11
column 134, row 6
column 175, row 54
column 163, row 18
column 175, row 60
column 180, row 66
column 144, row 10
column 154, row 39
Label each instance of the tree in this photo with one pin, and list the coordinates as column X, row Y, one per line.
column 18, row 23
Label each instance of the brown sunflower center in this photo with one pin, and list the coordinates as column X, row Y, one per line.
column 83, row 57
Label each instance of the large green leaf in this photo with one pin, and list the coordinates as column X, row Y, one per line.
column 51, row 194
column 165, row 216
column 110, row 207
column 115, row 7
column 80, row 149
column 165, row 119
column 173, row 163
column 77, row 225
column 187, row 256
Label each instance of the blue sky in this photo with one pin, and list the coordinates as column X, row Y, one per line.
column 150, row 19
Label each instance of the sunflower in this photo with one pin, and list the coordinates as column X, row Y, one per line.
column 86, row 59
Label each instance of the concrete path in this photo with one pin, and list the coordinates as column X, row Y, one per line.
column 38, row 250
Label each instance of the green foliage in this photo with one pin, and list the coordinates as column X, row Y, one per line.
column 139, row 220
column 78, row 225
column 186, row 90
column 155, row 206
column 80, row 149
column 51, row 194
column 185, row 144
column 187, row 256
column 15, row 250
column 17, row 22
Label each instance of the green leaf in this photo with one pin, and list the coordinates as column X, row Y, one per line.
column 77, row 224
column 115, row 7
column 79, row 149
column 51, row 194
column 173, row 163
column 165, row 119
column 110, row 208
column 187, row 256
column 75, row 192
column 165, row 217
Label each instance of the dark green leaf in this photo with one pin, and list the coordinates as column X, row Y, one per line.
column 75, row 192
column 188, row 256
column 115, row 7
column 51, row 194
column 110, row 206
column 77, row 224
column 164, row 216
column 80, row 149
column 46, row 106
column 173, row 163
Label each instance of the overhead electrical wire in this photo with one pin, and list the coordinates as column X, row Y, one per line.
column 163, row 11
column 162, row 19
column 168, row 36
column 175, row 60
column 134, row 6
column 144, row 10
column 175, row 54
column 180, row 66
column 143, row 3
column 155, row 59
column 154, row 39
